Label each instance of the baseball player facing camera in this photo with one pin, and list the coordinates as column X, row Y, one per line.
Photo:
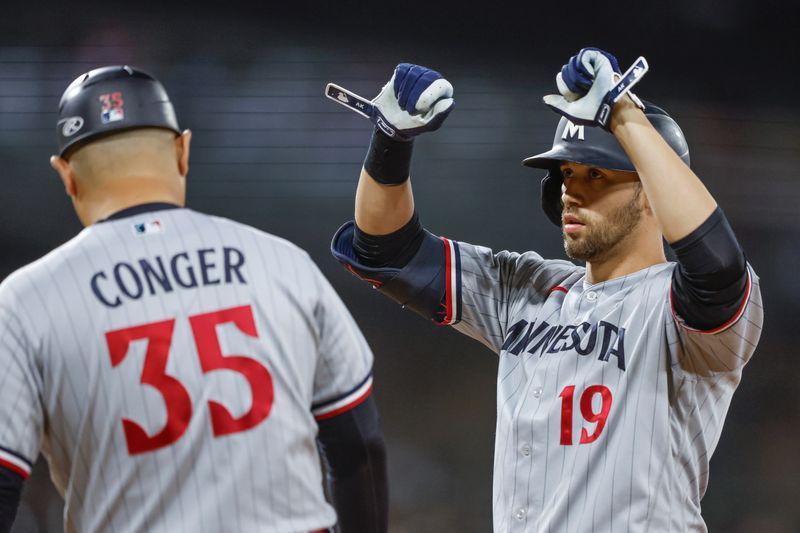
column 178, row 370
column 615, row 377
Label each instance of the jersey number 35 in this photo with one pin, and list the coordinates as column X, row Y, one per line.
column 176, row 398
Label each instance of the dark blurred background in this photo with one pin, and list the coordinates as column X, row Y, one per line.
column 270, row 151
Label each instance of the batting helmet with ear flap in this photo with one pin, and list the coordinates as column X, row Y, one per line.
column 109, row 100
column 598, row 148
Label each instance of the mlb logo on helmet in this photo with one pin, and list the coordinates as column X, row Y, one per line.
column 112, row 109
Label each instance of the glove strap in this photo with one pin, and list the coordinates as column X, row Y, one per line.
column 388, row 161
column 603, row 116
column 627, row 80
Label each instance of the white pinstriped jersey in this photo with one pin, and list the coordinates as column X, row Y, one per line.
column 608, row 407
column 170, row 366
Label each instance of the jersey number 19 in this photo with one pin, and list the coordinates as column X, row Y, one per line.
column 587, row 412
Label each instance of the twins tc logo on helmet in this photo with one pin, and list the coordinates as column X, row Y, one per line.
column 112, row 107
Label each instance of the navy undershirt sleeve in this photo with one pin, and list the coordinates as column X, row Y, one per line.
column 710, row 280
column 393, row 250
column 353, row 448
column 10, row 492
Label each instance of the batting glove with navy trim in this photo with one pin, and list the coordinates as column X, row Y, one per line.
column 416, row 100
column 585, row 85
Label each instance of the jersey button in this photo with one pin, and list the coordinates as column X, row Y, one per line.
column 520, row 513
column 591, row 296
column 537, row 392
column 526, row 450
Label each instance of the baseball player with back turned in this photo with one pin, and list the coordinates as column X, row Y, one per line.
column 614, row 378
column 178, row 370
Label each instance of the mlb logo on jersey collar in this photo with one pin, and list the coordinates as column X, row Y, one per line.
column 148, row 228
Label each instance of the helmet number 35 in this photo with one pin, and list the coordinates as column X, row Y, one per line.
column 176, row 398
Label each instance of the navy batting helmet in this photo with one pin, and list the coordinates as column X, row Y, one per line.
column 109, row 100
column 598, row 148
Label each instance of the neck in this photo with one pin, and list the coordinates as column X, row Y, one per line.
column 112, row 198
column 639, row 251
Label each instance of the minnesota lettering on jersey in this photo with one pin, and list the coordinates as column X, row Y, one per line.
column 582, row 338
column 206, row 266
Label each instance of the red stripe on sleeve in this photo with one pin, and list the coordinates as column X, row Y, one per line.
column 724, row 326
column 448, row 280
column 15, row 468
column 346, row 407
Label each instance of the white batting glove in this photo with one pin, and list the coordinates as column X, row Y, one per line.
column 590, row 85
column 416, row 100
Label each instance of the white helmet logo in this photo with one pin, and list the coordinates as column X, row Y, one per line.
column 72, row 125
column 571, row 130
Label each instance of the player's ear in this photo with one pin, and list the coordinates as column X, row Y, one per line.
column 182, row 143
column 66, row 173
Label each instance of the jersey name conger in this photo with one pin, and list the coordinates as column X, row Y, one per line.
column 183, row 270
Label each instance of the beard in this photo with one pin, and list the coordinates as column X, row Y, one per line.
column 599, row 238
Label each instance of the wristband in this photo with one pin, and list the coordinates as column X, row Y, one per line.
column 388, row 161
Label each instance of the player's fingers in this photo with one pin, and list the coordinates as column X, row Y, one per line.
column 575, row 76
column 565, row 91
column 405, row 80
column 556, row 101
column 438, row 90
column 594, row 62
column 442, row 107
column 611, row 57
column 421, row 85
column 577, row 65
column 439, row 113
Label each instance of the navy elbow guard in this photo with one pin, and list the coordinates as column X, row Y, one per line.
column 419, row 286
